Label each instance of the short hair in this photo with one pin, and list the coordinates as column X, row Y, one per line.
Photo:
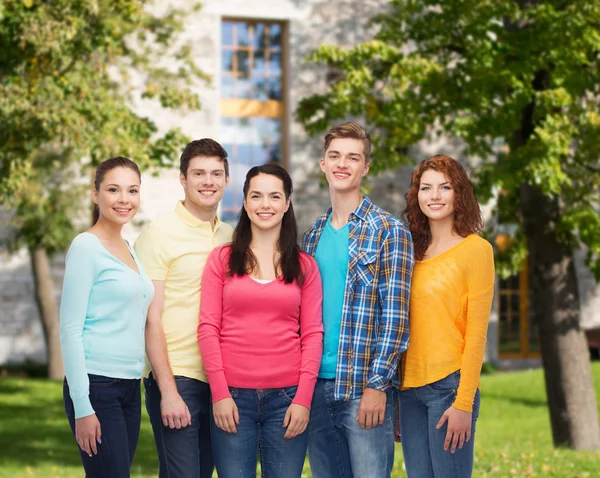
column 205, row 147
column 353, row 131
column 467, row 215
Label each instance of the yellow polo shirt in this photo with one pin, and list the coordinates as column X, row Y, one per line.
column 174, row 249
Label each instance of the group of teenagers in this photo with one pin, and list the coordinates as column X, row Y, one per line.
column 253, row 348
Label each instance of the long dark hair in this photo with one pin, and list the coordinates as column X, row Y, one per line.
column 103, row 168
column 241, row 260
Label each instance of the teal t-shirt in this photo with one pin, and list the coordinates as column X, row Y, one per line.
column 332, row 257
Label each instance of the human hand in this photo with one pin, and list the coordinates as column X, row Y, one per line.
column 226, row 415
column 295, row 420
column 459, row 428
column 174, row 411
column 371, row 410
column 88, row 433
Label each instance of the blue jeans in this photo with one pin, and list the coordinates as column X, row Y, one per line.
column 187, row 452
column 338, row 447
column 260, row 432
column 423, row 445
column 118, row 406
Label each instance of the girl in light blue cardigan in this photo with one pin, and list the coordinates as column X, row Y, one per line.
column 102, row 320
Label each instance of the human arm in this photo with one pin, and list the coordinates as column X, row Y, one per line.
column 155, row 259
column 311, row 338
column 79, row 279
column 209, row 333
column 480, row 291
column 395, row 273
column 174, row 412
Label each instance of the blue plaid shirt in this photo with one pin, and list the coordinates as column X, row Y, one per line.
column 374, row 329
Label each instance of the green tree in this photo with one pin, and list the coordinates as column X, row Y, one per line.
column 70, row 73
column 521, row 74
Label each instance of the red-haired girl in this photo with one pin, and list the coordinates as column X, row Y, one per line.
column 451, row 295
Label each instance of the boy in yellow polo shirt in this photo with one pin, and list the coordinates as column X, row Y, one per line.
column 173, row 251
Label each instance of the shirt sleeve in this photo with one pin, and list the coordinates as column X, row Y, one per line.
column 80, row 275
column 152, row 253
column 480, row 293
column 311, row 331
column 209, row 328
column 395, row 274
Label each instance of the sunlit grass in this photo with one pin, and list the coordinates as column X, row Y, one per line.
column 513, row 433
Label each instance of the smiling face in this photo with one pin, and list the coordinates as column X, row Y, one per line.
column 436, row 196
column 265, row 202
column 118, row 197
column 344, row 164
column 205, row 182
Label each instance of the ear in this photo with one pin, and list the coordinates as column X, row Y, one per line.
column 366, row 169
column 227, row 178
column 95, row 196
column 322, row 164
column 182, row 180
column 287, row 204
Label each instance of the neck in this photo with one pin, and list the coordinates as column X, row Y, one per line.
column 106, row 230
column 342, row 204
column 442, row 230
column 265, row 240
column 207, row 214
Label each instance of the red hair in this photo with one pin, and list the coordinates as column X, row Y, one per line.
column 467, row 215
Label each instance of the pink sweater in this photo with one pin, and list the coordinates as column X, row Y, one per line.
column 254, row 335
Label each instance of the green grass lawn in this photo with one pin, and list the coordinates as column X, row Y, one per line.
column 513, row 433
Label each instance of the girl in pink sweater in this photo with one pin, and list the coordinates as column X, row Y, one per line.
column 261, row 334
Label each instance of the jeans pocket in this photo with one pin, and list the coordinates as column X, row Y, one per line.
column 447, row 384
column 100, row 381
column 289, row 393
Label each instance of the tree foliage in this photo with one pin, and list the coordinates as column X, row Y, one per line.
column 71, row 73
column 520, row 78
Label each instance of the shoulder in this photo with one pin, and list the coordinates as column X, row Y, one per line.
column 163, row 224
column 307, row 262
column 220, row 253
column 476, row 243
column 86, row 241
column 317, row 223
column 380, row 219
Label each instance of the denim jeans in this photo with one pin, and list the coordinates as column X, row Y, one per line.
column 422, row 444
column 187, row 452
column 118, row 406
column 260, row 432
column 338, row 447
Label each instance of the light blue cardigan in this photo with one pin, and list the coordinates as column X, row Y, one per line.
column 102, row 318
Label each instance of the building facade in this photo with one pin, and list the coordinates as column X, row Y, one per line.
column 255, row 53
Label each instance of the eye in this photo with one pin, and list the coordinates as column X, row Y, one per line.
column 112, row 190
column 254, row 196
column 133, row 191
column 447, row 188
column 218, row 175
column 424, row 188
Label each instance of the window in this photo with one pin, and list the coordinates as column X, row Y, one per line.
column 517, row 331
column 252, row 102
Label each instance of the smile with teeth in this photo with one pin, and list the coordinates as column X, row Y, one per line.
column 265, row 215
column 206, row 192
column 122, row 211
column 341, row 175
column 435, row 207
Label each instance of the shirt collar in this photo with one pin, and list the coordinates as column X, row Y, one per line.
column 192, row 221
column 362, row 211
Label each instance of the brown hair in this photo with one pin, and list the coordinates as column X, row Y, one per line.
column 205, row 147
column 353, row 131
column 467, row 214
column 103, row 168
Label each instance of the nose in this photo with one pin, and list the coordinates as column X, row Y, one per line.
column 436, row 193
column 343, row 162
column 264, row 203
column 123, row 197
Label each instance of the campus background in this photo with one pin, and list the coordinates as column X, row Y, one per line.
column 255, row 53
